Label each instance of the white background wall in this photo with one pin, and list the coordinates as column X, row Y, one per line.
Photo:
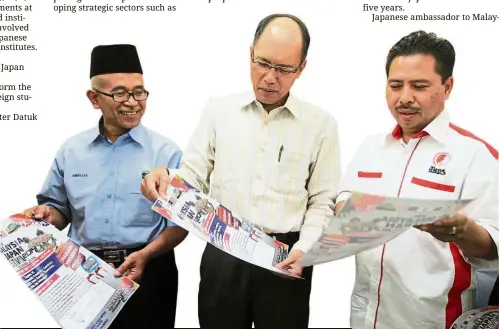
column 200, row 51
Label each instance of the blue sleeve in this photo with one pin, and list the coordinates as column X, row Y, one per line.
column 175, row 159
column 53, row 192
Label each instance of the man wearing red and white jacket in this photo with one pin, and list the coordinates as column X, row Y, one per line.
column 425, row 278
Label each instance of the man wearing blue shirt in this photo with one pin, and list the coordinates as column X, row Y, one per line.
column 94, row 185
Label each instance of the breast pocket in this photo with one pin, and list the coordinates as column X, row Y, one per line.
column 291, row 173
column 136, row 209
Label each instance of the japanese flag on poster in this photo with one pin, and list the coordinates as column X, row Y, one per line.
column 219, row 226
column 77, row 288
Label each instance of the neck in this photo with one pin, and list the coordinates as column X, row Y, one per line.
column 406, row 137
column 112, row 132
column 281, row 102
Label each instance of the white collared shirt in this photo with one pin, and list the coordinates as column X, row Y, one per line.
column 416, row 281
column 278, row 170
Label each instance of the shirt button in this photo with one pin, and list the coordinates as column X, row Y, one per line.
column 111, row 172
column 109, row 196
column 106, row 220
column 115, row 150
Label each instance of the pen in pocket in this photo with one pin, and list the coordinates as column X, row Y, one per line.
column 280, row 153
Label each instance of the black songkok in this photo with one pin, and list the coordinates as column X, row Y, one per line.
column 114, row 59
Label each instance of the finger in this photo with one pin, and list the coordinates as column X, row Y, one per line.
column 281, row 275
column 295, row 271
column 29, row 212
column 134, row 276
column 127, row 264
column 41, row 212
column 461, row 218
column 149, row 189
column 285, row 263
column 450, row 221
column 439, row 229
column 444, row 237
column 163, row 182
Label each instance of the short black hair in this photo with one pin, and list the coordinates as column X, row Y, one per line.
column 303, row 28
column 421, row 42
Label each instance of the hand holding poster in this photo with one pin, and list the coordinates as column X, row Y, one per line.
column 218, row 225
column 76, row 287
column 368, row 221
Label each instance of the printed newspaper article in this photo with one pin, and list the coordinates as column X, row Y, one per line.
column 274, row 121
column 76, row 287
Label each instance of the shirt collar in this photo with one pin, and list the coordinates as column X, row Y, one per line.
column 438, row 129
column 292, row 103
column 137, row 133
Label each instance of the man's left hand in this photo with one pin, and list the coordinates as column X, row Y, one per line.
column 292, row 263
column 448, row 229
column 133, row 266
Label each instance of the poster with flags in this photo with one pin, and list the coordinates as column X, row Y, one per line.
column 218, row 225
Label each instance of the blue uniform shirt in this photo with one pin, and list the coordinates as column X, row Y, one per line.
column 96, row 184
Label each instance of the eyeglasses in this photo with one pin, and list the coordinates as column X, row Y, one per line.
column 284, row 70
column 123, row 96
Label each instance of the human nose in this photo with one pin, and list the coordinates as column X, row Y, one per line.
column 406, row 96
column 271, row 76
column 131, row 101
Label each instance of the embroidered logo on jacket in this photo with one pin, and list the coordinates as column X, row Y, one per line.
column 80, row 175
column 439, row 160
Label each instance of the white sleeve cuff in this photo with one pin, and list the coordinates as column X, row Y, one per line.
column 303, row 245
column 343, row 196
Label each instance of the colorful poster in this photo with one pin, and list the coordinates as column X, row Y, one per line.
column 368, row 221
column 218, row 225
column 75, row 286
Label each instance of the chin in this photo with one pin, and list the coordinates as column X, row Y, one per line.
column 268, row 100
column 130, row 124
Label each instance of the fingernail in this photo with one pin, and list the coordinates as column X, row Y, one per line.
column 117, row 273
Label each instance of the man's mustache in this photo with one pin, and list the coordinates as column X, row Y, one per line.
column 406, row 107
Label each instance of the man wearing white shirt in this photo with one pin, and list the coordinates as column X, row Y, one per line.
column 273, row 159
column 430, row 268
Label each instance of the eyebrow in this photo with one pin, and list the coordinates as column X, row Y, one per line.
column 123, row 88
column 412, row 81
column 281, row 65
column 420, row 81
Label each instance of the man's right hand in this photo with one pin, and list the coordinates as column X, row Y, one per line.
column 50, row 215
column 40, row 212
column 155, row 184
